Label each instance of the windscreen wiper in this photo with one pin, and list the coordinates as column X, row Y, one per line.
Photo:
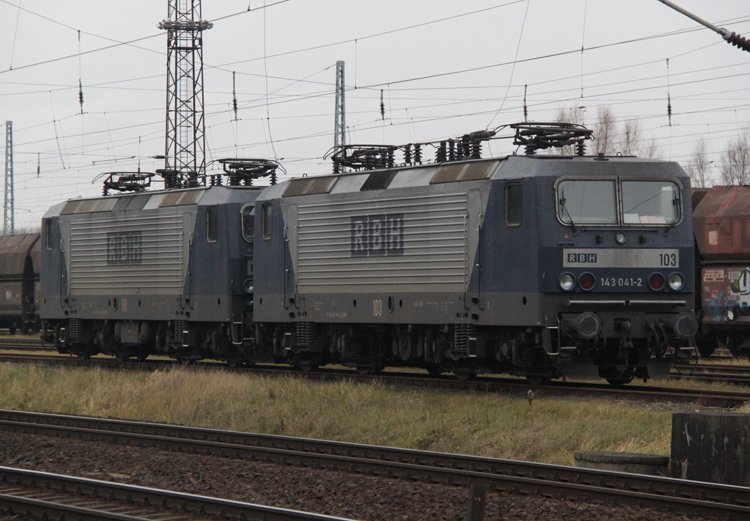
column 565, row 209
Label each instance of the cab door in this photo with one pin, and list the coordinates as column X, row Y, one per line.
column 187, row 242
column 290, row 260
column 474, row 219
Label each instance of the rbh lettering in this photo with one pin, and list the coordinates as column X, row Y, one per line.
column 377, row 235
column 582, row 258
column 124, row 248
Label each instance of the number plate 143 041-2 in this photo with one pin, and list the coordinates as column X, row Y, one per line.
column 620, row 258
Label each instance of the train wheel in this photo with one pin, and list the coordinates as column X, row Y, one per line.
column 234, row 363
column 619, row 382
column 434, row 370
column 122, row 357
column 186, row 361
column 12, row 328
column 83, row 356
column 733, row 344
column 464, row 374
column 620, row 378
column 538, row 379
column 706, row 343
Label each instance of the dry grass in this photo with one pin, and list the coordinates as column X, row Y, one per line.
column 549, row 430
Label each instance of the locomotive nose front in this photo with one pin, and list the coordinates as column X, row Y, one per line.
column 623, row 281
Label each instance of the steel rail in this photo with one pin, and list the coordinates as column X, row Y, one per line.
column 503, row 475
column 726, row 373
column 53, row 496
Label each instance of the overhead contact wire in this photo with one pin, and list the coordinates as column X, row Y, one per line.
column 515, row 60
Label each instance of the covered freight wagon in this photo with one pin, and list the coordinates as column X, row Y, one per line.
column 722, row 233
column 19, row 282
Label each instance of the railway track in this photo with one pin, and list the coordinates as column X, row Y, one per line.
column 41, row 495
column 726, row 373
column 23, row 343
column 714, row 500
column 711, row 398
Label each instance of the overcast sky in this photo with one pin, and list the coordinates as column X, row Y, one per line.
column 445, row 67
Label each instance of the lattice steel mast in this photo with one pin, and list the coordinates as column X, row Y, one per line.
column 185, row 158
column 339, row 137
column 8, row 208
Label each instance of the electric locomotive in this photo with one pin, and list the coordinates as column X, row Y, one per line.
column 154, row 272
column 536, row 265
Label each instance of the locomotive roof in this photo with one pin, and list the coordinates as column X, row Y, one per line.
column 154, row 200
column 494, row 169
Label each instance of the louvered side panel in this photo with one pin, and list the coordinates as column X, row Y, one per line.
column 143, row 254
column 418, row 242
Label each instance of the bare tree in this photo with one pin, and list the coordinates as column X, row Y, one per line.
column 699, row 166
column 610, row 139
column 629, row 138
column 22, row 230
column 649, row 149
column 605, row 130
column 735, row 163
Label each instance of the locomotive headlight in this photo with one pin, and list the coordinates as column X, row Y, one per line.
column 676, row 282
column 730, row 314
column 247, row 286
column 620, row 238
column 567, row 282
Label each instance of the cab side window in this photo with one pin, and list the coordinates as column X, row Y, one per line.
column 212, row 224
column 513, row 204
column 248, row 222
column 48, row 233
column 267, row 220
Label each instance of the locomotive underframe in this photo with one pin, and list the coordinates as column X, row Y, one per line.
column 539, row 353
column 124, row 339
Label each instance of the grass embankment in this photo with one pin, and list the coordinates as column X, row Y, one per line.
column 549, row 430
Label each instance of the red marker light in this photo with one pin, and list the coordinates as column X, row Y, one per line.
column 656, row 281
column 587, row 281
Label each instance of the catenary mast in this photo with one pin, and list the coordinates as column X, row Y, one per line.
column 339, row 136
column 185, row 158
column 8, row 208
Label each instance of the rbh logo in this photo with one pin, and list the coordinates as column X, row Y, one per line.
column 124, row 248
column 582, row 258
column 378, row 235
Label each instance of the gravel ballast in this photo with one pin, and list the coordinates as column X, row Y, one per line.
column 326, row 492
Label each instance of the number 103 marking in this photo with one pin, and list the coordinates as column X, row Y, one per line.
column 668, row 259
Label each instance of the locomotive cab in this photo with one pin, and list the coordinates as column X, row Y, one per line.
column 620, row 268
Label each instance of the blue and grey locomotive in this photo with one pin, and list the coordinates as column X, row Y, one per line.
column 163, row 272
column 537, row 265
